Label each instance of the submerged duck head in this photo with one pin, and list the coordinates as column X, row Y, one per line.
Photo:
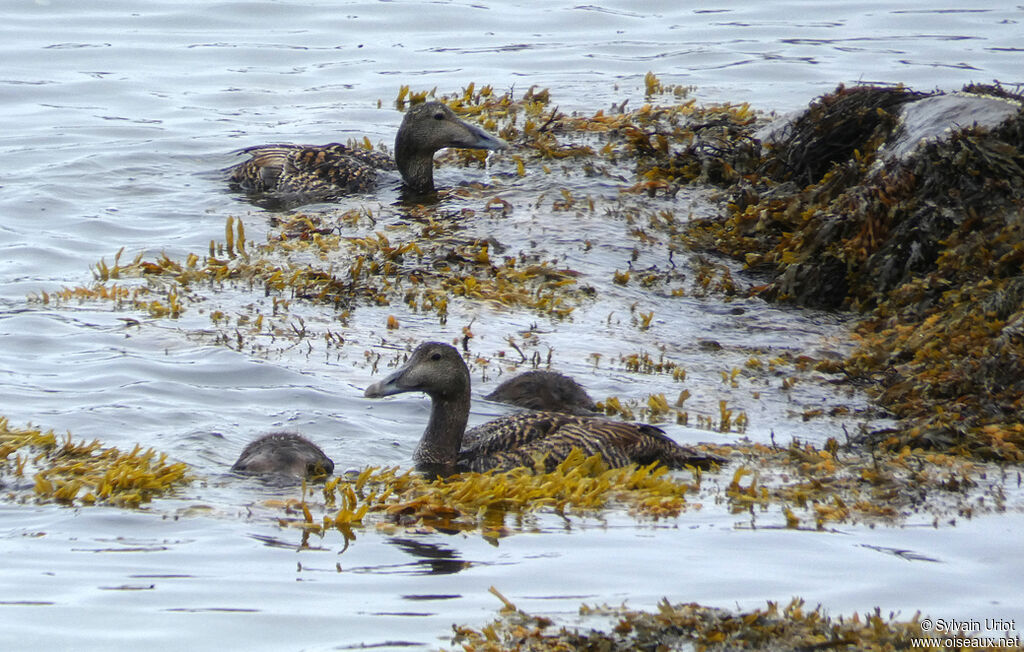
column 283, row 454
column 435, row 368
column 425, row 129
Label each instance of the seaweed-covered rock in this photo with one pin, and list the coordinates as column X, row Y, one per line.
column 688, row 144
column 884, row 213
column 913, row 212
column 833, row 129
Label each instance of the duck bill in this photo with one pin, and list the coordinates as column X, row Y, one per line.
column 388, row 386
column 477, row 138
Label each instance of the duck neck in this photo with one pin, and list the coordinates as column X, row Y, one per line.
column 438, row 450
column 416, row 167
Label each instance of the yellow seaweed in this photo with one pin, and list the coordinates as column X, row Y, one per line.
column 63, row 470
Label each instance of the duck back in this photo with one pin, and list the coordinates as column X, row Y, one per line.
column 323, row 171
column 521, row 439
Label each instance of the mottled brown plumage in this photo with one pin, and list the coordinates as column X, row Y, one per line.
column 519, row 439
column 507, row 442
column 548, row 391
column 323, row 172
column 283, row 453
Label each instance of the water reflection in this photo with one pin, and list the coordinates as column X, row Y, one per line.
column 276, row 542
column 433, row 558
column 381, row 645
column 909, row 555
column 430, row 558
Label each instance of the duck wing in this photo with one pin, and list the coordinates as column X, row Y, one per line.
column 510, row 432
column 308, row 169
column 517, row 440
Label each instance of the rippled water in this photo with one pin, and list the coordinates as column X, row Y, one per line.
column 116, row 116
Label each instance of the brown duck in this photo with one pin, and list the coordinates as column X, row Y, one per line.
column 320, row 172
column 438, row 370
column 283, row 453
column 547, row 391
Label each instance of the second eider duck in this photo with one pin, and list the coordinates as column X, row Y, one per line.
column 438, row 370
column 322, row 172
column 546, row 391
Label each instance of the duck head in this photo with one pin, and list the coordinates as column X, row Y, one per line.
column 425, row 129
column 434, row 368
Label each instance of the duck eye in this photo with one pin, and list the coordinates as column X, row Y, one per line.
column 439, row 116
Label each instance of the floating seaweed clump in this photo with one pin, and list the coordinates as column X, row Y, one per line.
column 928, row 243
column 814, row 487
column 670, row 145
column 424, row 272
column 472, row 501
column 80, row 473
column 693, row 626
column 800, row 486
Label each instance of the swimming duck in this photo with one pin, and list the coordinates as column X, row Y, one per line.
column 547, row 391
column 327, row 171
column 283, row 453
column 438, row 370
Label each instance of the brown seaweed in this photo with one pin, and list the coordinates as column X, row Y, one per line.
column 928, row 247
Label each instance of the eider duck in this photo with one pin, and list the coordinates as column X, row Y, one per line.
column 328, row 171
column 283, row 453
column 438, row 370
column 546, row 391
